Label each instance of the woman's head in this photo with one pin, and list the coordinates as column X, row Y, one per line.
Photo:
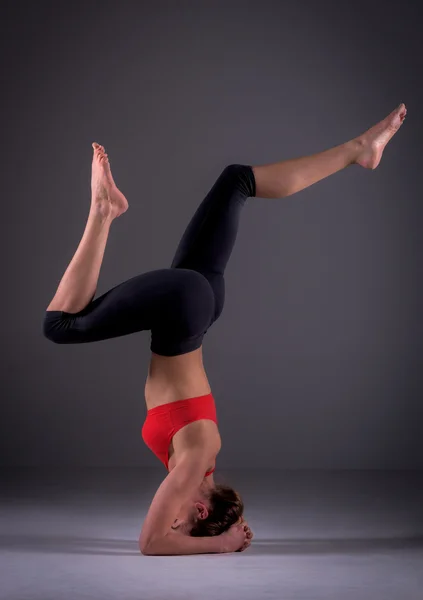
column 221, row 507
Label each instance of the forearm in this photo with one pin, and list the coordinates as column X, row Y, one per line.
column 176, row 543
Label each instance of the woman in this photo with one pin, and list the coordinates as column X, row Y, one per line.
column 189, row 512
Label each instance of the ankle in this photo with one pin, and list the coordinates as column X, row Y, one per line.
column 101, row 210
column 100, row 214
column 355, row 148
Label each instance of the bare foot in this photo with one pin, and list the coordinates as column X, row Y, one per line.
column 106, row 198
column 372, row 143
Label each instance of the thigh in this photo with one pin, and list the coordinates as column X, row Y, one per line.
column 176, row 305
column 209, row 238
column 187, row 314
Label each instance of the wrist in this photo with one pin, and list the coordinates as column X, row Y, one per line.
column 223, row 543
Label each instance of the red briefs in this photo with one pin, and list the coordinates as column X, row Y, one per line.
column 162, row 422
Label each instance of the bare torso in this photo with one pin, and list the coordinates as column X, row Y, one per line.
column 172, row 378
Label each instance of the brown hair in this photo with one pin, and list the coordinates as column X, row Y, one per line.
column 226, row 507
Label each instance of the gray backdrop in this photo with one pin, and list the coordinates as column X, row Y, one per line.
column 316, row 361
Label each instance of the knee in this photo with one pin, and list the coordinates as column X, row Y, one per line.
column 53, row 328
column 232, row 171
column 241, row 177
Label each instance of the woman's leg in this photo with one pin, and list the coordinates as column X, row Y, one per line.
column 176, row 306
column 164, row 299
column 78, row 285
column 209, row 238
column 288, row 177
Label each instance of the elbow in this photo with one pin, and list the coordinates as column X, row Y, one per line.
column 149, row 550
column 145, row 550
column 145, row 546
column 156, row 546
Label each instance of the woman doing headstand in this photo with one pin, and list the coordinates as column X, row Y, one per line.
column 189, row 513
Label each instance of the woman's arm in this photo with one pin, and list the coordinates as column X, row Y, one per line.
column 173, row 492
column 178, row 543
column 236, row 539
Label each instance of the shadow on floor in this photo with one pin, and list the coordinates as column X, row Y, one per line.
column 46, row 544
column 369, row 545
column 64, row 544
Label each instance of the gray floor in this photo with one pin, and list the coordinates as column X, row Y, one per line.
column 338, row 535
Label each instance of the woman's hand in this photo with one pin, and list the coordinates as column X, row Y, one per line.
column 237, row 538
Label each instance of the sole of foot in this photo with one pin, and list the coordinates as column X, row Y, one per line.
column 373, row 142
column 106, row 197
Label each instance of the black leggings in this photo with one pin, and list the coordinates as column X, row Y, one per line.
column 178, row 304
